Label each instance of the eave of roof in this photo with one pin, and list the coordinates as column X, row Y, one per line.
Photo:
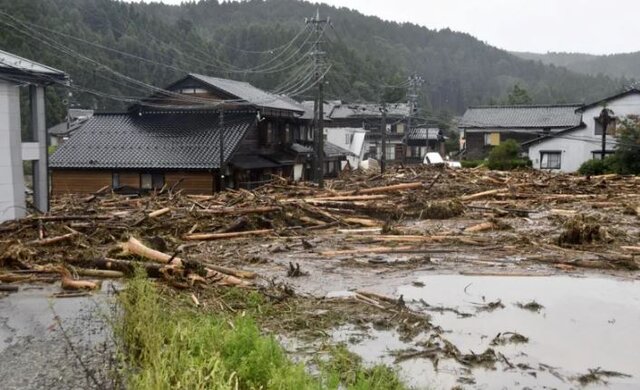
column 15, row 67
column 608, row 99
column 553, row 135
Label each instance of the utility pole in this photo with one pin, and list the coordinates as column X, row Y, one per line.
column 383, row 132
column 605, row 119
column 319, row 66
column 221, row 128
column 415, row 82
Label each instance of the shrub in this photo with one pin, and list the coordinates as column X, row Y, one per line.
column 599, row 167
column 471, row 163
column 506, row 157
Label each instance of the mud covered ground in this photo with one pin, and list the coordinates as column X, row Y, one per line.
column 469, row 279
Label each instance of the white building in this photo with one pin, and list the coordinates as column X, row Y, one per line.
column 566, row 150
column 351, row 139
column 16, row 72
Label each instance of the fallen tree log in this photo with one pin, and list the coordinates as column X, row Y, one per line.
column 483, row 194
column 154, row 270
column 134, row 246
column 380, row 297
column 221, row 236
column 481, row 227
column 240, row 211
column 346, row 198
column 97, row 273
column 391, row 188
column 52, row 240
column 363, row 222
column 384, row 249
column 160, row 212
column 224, row 279
column 233, row 272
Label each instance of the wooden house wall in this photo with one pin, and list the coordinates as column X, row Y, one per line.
column 89, row 181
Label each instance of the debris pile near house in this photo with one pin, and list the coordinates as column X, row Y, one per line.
column 107, row 234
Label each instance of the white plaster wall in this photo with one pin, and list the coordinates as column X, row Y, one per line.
column 337, row 136
column 12, row 198
column 577, row 146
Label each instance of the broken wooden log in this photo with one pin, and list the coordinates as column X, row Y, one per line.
column 483, row 194
column 160, row 212
column 240, row 211
column 233, row 272
column 221, row 236
column 391, row 188
column 134, row 246
column 52, row 240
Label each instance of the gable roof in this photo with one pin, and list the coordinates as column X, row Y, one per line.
column 152, row 141
column 523, row 117
column 250, row 94
column 13, row 66
column 601, row 102
column 552, row 135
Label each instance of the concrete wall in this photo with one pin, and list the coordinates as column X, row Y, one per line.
column 578, row 146
column 12, row 197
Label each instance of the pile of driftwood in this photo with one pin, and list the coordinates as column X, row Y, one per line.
column 107, row 234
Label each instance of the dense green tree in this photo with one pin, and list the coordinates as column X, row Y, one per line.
column 217, row 38
column 626, row 159
column 519, row 95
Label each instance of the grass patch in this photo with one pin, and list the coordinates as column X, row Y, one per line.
column 167, row 347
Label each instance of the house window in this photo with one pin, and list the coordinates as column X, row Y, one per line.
column 611, row 127
column 391, row 152
column 348, row 138
column 157, row 181
column 550, row 160
column 492, row 139
column 190, row 91
column 269, row 134
column 373, row 151
column 146, row 181
column 597, row 154
column 115, row 180
column 400, row 128
column 287, row 134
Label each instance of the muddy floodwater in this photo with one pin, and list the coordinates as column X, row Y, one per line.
column 581, row 324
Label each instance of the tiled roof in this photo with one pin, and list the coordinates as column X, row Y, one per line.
column 355, row 110
column 250, row 94
column 419, row 133
column 553, row 116
column 152, row 141
column 65, row 128
column 333, row 150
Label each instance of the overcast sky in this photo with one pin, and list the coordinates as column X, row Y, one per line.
column 588, row 26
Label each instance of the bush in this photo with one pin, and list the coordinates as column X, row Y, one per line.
column 506, row 157
column 471, row 163
column 599, row 167
column 592, row 167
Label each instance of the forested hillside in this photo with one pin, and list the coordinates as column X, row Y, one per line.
column 612, row 65
column 214, row 38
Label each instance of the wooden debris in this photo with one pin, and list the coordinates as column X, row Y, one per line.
column 222, row 236
column 134, row 246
